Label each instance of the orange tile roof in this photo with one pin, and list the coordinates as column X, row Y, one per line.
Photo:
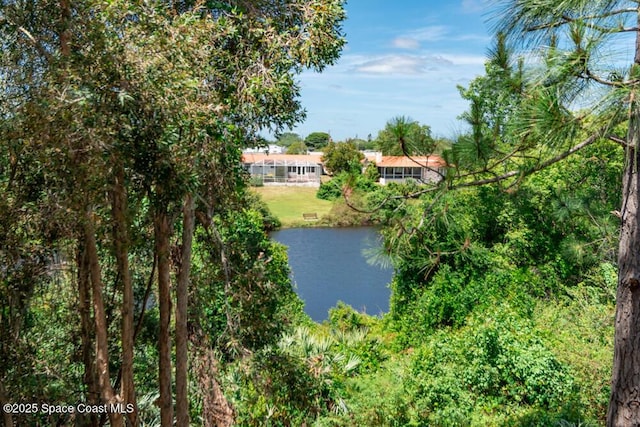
column 432, row 161
column 258, row 157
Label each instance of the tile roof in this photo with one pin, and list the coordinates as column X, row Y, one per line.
column 258, row 157
column 432, row 161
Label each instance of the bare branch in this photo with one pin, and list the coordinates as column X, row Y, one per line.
column 623, row 142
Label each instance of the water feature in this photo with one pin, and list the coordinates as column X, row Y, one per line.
column 328, row 265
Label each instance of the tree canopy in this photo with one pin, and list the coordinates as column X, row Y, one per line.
column 342, row 157
column 317, row 140
column 286, row 139
column 297, row 147
column 122, row 131
column 579, row 91
column 402, row 135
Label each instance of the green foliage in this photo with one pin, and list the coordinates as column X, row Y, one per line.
column 115, row 113
column 355, row 187
column 351, row 332
column 497, row 361
column 256, row 181
column 344, row 182
column 475, row 247
column 248, row 301
column 286, row 139
column 297, row 147
column 371, row 173
column 361, row 144
column 342, row 157
column 317, row 140
column 402, row 135
column 294, row 382
column 331, row 190
column 343, row 215
column 497, row 368
column 343, row 317
column 255, row 202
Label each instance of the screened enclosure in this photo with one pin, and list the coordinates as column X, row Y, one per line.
column 279, row 170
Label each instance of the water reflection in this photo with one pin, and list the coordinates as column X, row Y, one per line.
column 328, row 265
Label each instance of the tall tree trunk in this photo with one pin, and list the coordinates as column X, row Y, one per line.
column 86, row 333
column 121, row 241
column 65, row 30
column 102, row 345
column 6, row 416
column 162, row 233
column 624, row 403
column 216, row 410
column 182, row 294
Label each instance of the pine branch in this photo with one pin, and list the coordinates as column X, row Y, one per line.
column 565, row 19
column 606, row 82
column 590, row 140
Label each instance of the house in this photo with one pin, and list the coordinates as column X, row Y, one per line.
column 271, row 148
column 284, row 169
column 426, row 169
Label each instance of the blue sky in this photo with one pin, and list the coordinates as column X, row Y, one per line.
column 402, row 57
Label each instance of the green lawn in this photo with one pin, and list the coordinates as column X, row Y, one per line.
column 289, row 203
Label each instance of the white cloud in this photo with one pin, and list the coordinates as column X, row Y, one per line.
column 401, row 64
column 397, row 64
column 406, row 43
column 412, row 64
column 412, row 39
column 429, row 34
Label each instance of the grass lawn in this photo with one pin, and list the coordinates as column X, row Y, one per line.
column 289, row 203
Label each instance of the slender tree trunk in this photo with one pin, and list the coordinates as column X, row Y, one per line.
column 102, row 345
column 624, row 403
column 6, row 416
column 121, row 241
column 182, row 294
column 87, row 333
column 65, row 31
column 162, row 233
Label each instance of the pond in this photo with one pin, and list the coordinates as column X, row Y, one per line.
column 328, row 265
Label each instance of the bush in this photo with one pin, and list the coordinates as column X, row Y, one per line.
column 496, row 365
column 352, row 182
column 330, row 190
column 269, row 221
column 294, row 382
column 342, row 215
column 256, row 181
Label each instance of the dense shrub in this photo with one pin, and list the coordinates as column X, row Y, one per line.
column 497, row 362
column 293, row 382
column 345, row 182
